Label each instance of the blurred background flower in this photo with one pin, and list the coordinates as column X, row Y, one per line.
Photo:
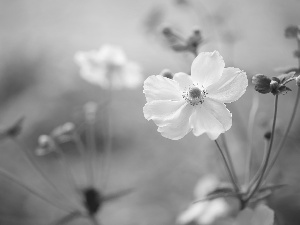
column 40, row 80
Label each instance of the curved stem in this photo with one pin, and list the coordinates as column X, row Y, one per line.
column 27, row 155
column 298, row 44
column 276, row 154
column 259, row 171
column 108, row 148
column 252, row 114
column 90, row 154
column 265, row 163
column 234, row 183
column 31, row 190
column 84, row 156
column 228, row 156
column 65, row 164
column 91, row 139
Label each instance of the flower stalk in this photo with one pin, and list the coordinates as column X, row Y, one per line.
column 268, row 153
column 252, row 115
column 233, row 181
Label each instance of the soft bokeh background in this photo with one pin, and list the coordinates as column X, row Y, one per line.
column 40, row 80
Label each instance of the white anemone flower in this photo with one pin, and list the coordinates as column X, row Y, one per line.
column 195, row 102
column 108, row 67
column 206, row 212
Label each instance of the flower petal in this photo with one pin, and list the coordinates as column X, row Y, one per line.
column 263, row 215
column 212, row 118
column 231, row 86
column 157, row 87
column 161, row 110
column 178, row 125
column 192, row 213
column 206, row 185
column 215, row 209
column 183, row 80
column 207, row 68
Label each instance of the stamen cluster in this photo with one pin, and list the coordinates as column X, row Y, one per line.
column 194, row 95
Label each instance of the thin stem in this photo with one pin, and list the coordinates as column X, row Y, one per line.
column 298, row 44
column 31, row 190
column 276, row 154
column 81, row 148
column 27, row 155
column 252, row 115
column 65, row 164
column 108, row 147
column 268, row 154
column 236, row 187
column 228, row 156
column 89, row 155
column 259, row 171
column 91, row 140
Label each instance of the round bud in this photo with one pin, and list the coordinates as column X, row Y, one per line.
column 167, row 73
column 268, row 135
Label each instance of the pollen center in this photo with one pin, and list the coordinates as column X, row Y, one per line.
column 194, row 95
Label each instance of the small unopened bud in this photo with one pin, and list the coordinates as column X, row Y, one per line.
column 167, row 31
column 167, row 73
column 261, row 83
column 64, row 132
column 291, row 31
column 45, row 145
column 298, row 81
column 297, row 53
column 194, row 41
column 274, row 85
column 268, row 135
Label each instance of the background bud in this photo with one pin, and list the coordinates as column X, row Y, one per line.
column 291, row 31
column 267, row 135
column 167, row 73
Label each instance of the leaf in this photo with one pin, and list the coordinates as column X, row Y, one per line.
column 284, row 77
column 219, row 193
column 266, row 192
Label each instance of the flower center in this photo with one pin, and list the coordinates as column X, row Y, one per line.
column 92, row 200
column 194, row 95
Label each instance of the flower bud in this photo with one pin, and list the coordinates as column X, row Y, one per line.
column 297, row 53
column 63, row 133
column 194, row 41
column 261, row 83
column 167, row 73
column 167, row 31
column 46, row 145
column 291, row 31
column 274, row 85
column 267, row 135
